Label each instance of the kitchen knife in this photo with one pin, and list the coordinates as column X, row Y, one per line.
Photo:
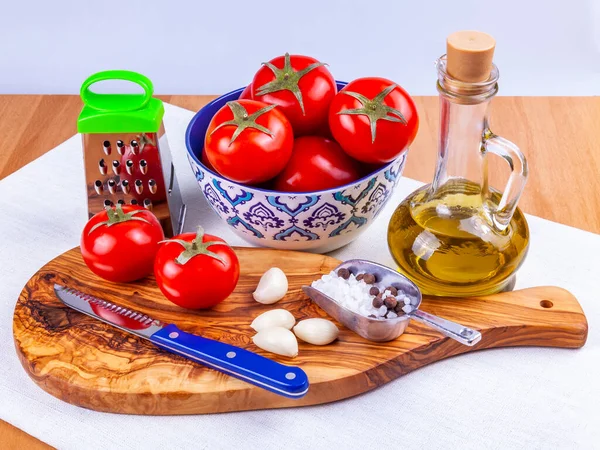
column 247, row 366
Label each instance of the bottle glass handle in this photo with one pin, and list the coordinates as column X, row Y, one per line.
column 501, row 214
column 117, row 102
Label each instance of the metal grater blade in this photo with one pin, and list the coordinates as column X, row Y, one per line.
column 118, row 316
column 136, row 169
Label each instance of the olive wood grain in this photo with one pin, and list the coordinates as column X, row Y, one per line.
column 88, row 363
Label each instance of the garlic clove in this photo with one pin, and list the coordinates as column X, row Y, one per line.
column 272, row 287
column 317, row 331
column 277, row 340
column 274, row 318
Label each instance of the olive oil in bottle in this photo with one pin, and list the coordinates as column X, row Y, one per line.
column 458, row 236
column 446, row 245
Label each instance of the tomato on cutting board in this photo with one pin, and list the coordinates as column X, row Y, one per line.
column 196, row 271
column 317, row 163
column 120, row 243
column 144, row 161
column 302, row 87
column 373, row 119
column 249, row 141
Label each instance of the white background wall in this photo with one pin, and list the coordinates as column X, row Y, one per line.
column 549, row 47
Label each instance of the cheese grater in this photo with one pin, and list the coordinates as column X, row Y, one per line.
column 126, row 153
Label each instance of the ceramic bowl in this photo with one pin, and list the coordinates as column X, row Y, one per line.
column 318, row 221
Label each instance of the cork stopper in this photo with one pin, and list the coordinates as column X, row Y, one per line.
column 469, row 55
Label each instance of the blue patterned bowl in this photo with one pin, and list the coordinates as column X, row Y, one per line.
column 319, row 221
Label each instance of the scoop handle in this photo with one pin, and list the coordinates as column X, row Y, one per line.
column 456, row 331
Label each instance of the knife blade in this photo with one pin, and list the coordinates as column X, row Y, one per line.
column 263, row 372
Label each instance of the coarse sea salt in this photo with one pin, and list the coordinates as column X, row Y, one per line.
column 354, row 295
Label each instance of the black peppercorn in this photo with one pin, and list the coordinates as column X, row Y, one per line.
column 369, row 278
column 360, row 276
column 378, row 302
column 392, row 290
column 390, row 302
column 374, row 291
column 343, row 273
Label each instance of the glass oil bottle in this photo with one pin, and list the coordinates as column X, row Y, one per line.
column 458, row 236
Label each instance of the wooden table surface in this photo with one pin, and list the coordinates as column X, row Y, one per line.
column 557, row 134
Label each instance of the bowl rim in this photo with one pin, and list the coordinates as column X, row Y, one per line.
column 191, row 154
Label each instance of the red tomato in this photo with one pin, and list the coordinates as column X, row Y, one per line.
column 373, row 119
column 317, row 163
column 301, row 86
column 143, row 151
column 367, row 169
column 196, row 270
column 206, row 162
column 120, row 244
column 249, row 141
column 246, row 93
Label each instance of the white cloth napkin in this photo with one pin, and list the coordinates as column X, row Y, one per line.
column 521, row 398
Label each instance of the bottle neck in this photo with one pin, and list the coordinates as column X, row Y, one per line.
column 462, row 127
column 464, row 118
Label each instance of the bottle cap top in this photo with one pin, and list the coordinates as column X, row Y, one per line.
column 469, row 55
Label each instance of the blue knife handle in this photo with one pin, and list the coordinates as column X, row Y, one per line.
column 237, row 362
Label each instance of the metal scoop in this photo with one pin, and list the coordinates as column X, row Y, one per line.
column 381, row 329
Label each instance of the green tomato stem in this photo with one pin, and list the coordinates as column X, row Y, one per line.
column 196, row 247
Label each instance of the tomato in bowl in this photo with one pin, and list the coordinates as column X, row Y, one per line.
column 317, row 221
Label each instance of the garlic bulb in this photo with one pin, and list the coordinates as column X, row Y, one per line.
column 316, row 331
column 274, row 318
column 272, row 287
column 277, row 340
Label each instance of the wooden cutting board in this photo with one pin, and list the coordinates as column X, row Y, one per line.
column 88, row 363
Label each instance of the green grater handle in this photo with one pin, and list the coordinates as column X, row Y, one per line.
column 117, row 102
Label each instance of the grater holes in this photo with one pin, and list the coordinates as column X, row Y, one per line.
column 135, row 147
column 121, row 202
column 134, row 201
column 102, row 167
column 152, row 187
column 139, row 186
column 148, row 204
column 112, row 186
column 120, row 147
column 143, row 166
column 106, row 147
column 125, row 186
column 107, row 202
column 116, row 167
column 98, row 187
column 129, row 167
